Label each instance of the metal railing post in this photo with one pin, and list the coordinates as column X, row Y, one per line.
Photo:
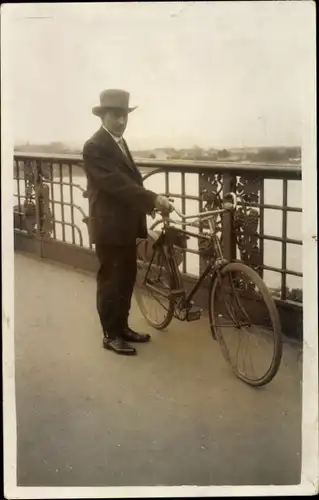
column 38, row 204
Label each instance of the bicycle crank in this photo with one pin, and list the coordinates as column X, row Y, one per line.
column 194, row 313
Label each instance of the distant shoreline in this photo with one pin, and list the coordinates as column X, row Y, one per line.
column 55, row 157
column 275, row 155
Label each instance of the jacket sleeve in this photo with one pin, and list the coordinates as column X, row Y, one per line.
column 106, row 175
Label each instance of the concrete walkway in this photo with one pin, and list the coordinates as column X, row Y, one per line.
column 173, row 415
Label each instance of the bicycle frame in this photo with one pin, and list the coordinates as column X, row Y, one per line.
column 211, row 268
column 169, row 251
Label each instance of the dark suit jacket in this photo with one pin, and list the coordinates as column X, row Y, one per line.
column 118, row 202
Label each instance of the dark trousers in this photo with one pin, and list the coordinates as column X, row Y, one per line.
column 115, row 283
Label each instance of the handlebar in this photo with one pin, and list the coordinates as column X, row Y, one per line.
column 229, row 204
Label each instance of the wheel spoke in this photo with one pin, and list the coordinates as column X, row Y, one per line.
column 246, row 327
column 156, row 308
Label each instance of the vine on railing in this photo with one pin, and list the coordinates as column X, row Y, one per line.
column 246, row 219
column 36, row 212
column 210, row 191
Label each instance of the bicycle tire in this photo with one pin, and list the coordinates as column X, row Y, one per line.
column 267, row 298
column 140, row 290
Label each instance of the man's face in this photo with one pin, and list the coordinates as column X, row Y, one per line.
column 115, row 120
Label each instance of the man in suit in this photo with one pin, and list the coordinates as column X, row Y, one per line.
column 118, row 204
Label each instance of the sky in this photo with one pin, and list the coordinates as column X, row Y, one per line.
column 214, row 74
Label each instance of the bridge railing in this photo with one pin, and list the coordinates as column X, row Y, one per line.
column 50, row 211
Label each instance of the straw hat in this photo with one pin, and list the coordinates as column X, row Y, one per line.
column 113, row 98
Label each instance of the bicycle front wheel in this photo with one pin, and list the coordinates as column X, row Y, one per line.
column 152, row 286
column 245, row 321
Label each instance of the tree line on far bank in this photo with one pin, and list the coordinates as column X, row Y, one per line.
column 262, row 154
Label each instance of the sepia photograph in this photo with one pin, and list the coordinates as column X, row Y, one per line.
column 159, row 249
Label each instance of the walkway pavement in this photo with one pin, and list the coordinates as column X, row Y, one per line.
column 172, row 415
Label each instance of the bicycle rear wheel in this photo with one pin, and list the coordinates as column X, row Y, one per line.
column 155, row 305
column 245, row 321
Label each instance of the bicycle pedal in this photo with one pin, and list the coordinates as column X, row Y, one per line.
column 194, row 313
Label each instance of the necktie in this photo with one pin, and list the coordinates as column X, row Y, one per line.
column 123, row 149
column 122, row 146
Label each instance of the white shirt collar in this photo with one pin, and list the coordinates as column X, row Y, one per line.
column 116, row 139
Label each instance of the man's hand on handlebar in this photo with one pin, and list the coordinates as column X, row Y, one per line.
column 163, row 204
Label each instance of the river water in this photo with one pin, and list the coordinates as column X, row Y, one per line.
column 272, row 220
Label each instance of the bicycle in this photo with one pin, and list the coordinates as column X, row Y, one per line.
column 234, row 306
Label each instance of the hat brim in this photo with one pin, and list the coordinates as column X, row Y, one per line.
column 100, row 110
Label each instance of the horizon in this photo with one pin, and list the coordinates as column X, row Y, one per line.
column 78, row 145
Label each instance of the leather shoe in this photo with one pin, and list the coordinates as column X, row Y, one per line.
column 119, row 346
column 131, row 336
